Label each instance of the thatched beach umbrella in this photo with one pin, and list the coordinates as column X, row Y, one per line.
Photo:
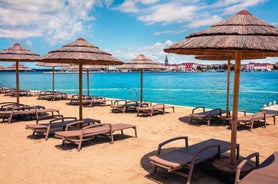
column 239, row 36
column 53, row 65
column 2, row 68
column 141, row 62
column 88, row 68
column 18, row 53
column 80, row 52
column 21, row 67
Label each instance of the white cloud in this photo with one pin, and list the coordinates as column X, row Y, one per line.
column 57, row 21
column 154, row 52
column 128, row 6
column 168, row 32
column 234, row 6
column 148, row 1
column 169, row 13
column 28, row 42
column 205, row 21
column 193, row 14
column 131, row 6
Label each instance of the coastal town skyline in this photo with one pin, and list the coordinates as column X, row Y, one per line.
column 123, row 28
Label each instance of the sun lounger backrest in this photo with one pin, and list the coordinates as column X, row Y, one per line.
column 266, row 172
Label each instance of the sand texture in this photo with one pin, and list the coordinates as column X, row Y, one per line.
column 26, row 159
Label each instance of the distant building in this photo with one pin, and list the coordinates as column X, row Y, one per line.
column 166, row 61
column 187, row 66
column 171, row 67
column 258, row 66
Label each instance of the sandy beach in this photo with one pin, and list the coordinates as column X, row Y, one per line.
column 27, row 159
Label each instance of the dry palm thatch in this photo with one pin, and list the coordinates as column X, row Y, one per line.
column 225, row 58
column 239, row 36
column 21, row 67
column 2, row 68
column 242, row 31
column 141, row 62
column 52, row 64
column 88, row 67
column 80, row 52
column 18, row 53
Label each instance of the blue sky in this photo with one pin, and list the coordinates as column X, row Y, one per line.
column 125, row 28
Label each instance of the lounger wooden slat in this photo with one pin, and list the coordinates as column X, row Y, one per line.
column 150, row 109
column 250, row 119
column 124, row 106
column 38, row 111
column 94, row 101
column 89, row 132
column 204, row 115
column 57, row 124
column 266, row 172
column 188, row 156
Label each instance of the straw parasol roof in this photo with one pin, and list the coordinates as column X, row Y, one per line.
column 52, row 64
column 21, row 67
column 80, row 52
column 226, row 57
column 141, row 62
column 18, row 53
column 2, row 68
column 242, row 31
column 88, row 67
column 240, row 36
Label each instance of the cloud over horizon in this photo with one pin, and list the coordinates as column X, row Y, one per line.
column 155, row 23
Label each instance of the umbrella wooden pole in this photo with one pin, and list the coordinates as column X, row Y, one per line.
column 80, row 91
column 141, row 85
column 17, row 83
column 88, row 82
column 53, row 79
column 228, row 87
column 235, row 106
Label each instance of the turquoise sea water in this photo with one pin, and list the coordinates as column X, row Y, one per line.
column 185, row 89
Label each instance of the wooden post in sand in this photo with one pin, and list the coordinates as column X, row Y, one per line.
column 235, row 106
column 80, row 91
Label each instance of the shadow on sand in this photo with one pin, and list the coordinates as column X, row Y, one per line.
column 204, row 173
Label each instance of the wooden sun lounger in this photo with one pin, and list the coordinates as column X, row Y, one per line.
column 94, row 101
column 206, row 116
column 56, row 96
column 145, row 108
column 91, row 131
column 188, row 156
column 249, row 120
column 266, row 172
column 74, row 100
column 57, row 124
column 124, row 106
column 38, row 111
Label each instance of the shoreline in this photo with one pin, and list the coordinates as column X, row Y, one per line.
column 183, row 89
column 30, row 159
